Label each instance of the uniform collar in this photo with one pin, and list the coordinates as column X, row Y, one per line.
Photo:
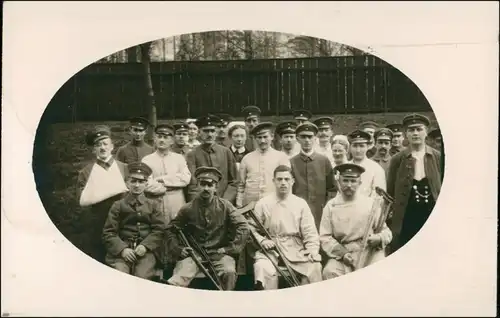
column 240, row 151
column 131, row 199
column 407, row 151
column 105, row 163
column 311, row 155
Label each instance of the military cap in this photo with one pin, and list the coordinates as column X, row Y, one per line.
column 206, row 121
column 180, row 127
column 286, row 127
column 251, row 111
column 383, row 133
column 395, row 128
column 303, row 114
column 262, row 127
column 349, row 170
column 368, row 124
column 359, row 136
column 435, row 133
column 415, row 119
column 190, row 120
column 224, row 117
column 323, row 121
column 208, row 173
column 99, row 132
column 307, row 126
column 139, row 170
column 164, row 129
column 139, row 122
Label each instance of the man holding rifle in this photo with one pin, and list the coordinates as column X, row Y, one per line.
column 349, row 220
column 287, row 234
column 215, row 226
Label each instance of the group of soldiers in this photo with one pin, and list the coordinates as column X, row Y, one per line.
column 313, row 194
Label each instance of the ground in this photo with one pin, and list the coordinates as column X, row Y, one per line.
column 60, row 152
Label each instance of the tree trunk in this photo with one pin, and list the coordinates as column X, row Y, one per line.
column 247, row 36
column 208, row 39
column 150, row 100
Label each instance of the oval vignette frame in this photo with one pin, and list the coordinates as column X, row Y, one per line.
column 110, row 91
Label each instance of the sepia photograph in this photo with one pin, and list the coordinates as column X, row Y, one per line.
column 239, row 160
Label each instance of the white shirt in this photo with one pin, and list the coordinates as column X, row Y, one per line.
column 419, row 163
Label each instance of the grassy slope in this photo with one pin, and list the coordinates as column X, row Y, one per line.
column 61, row 153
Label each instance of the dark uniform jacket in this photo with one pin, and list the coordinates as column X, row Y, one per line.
column 215, row 225
column 133, row 152
column 314, row 181
column 134, row 218
column 395, row 150
column 180, row 150
column 219, row 157
column 400, row 180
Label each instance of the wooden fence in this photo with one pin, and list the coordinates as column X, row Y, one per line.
column 328, row 85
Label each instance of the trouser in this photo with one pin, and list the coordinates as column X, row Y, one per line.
column 266, row 273
column 143, row 268
column 335, row 268
column 186, row 270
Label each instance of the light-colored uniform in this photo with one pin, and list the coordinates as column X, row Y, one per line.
column 256, row 174
column 374, row 176
column 342, row 227
column 291, row 223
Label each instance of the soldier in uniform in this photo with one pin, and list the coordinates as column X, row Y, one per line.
column 222, row 130
column 137, row 148
column 414, row 181
column 374, row 175
column 134, row 228
column 370, row 127
column 181, row 139
column 312, row 172
column 215, row 225
column 301, row 116
column 286, row 132
column 325, row 133
column 435, row 140
column 397, row 138
column 343, row 225
column 211, row 154
column 100, row 183
column 290, row 223
column 252, row 119
column 256, row 168
column 383, row 139
column 238, row 136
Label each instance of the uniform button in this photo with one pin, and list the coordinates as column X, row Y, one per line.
column 138, row 223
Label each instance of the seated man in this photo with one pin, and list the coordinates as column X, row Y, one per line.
column 215, row 225
column 344, row 221
column 289, row 221
column 134, row 229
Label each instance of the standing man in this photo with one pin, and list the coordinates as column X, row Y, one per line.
column 414, row 181
column 286, row 132
column 137, row 148
column 435, row 140
column 133, row 232
column 312, row 172
column 301, row 116
column 343, row 225
column 100, row 183
column 383, row 139
column 370, row 127
column 325, row 133
column 181, row 140
column 374, row 175
column 290, row 223
column 168, row 169
column 397, row 138
column 193, row 133
column 256, row 168
column 211, row 154
column 252, row 119
column 222, row 136
column 215, row 225
column 238, row 136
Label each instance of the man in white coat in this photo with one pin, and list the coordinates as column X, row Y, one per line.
column 345, row 220
column 374, row 175
column 290, row 223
